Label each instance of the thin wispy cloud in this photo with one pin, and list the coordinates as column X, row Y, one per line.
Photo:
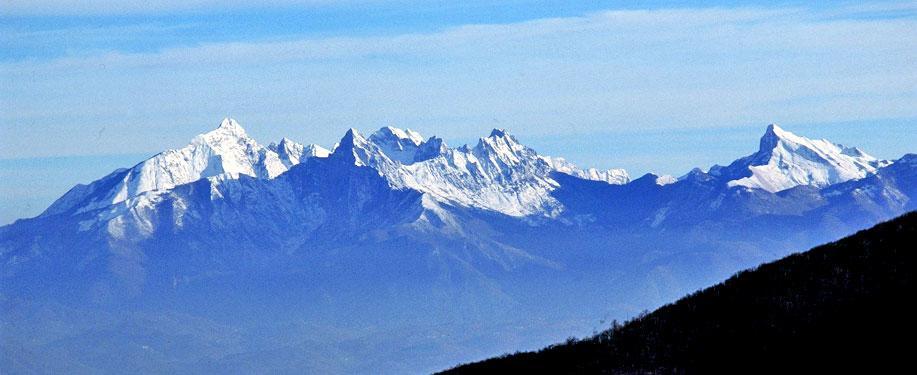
column 603, row 71
column 114, row 7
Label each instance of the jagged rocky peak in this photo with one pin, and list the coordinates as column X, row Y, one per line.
column 498, row 174
column 351, row 138
column 785, row 160
column 498, row 133
column 238, row 154
column 286, row 143
column 392, row 134
column 431, row 148
column 401, row 145
column 352, row 148
column 387, row 145
column 289, row 152
column 503, row 147
column 316, row 151
column 502, row 135
column 225, row 152
column 507, row 149
column 292, row 153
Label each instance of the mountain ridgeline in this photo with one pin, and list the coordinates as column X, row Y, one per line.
column 838, row 308
column 393, row 252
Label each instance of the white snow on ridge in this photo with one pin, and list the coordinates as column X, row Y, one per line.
column 292, row 153
column 498, row 174
column 612, row 176
column 227, row 152
column 666, row 180
column 786, row 160
column 398, row 144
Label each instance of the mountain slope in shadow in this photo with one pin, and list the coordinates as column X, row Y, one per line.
column 841, row 307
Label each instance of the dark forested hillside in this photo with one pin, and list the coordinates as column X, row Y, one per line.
column 842, row 307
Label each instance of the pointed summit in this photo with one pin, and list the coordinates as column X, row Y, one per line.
column 774, row 129
column 785, row 160
column 502, row 146
column 227, row 139
column 231, row 125
column 400, row 145
column 389, row 134
column 498, row 133
column 500, row 138
column 351, row 138
column 351, row 148
column 289, row 152
column 226, row 152
column 773, row 135
column 228, row 122
column 229, row 132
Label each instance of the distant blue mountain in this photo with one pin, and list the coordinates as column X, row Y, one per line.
column 394, row 253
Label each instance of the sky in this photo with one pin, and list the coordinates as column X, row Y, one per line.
column 89, row 86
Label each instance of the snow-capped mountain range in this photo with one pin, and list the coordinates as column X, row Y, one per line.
column 497, row 174
column 392, row 232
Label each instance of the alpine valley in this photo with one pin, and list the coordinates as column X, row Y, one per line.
column 395, row 253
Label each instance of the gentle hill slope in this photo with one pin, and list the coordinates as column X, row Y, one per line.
column 844, row 306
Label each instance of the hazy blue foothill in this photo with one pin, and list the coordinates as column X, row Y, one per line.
column 790, row 315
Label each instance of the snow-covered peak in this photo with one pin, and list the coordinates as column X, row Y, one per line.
column 498, row 133
column 503, row 147
column 772, row 137
column 614, row 176
column 287, row 141
column 292, row 153
column 315, row 151
column 785, row 160
column 387, row 145
column 353, row 148
column 392, row 133
column 499, row 174
column 228, row 135
column 231, row 125
column 401, row 145
column 431, row 148
column 226, row 152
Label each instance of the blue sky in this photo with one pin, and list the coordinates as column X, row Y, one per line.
column 86, row 86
